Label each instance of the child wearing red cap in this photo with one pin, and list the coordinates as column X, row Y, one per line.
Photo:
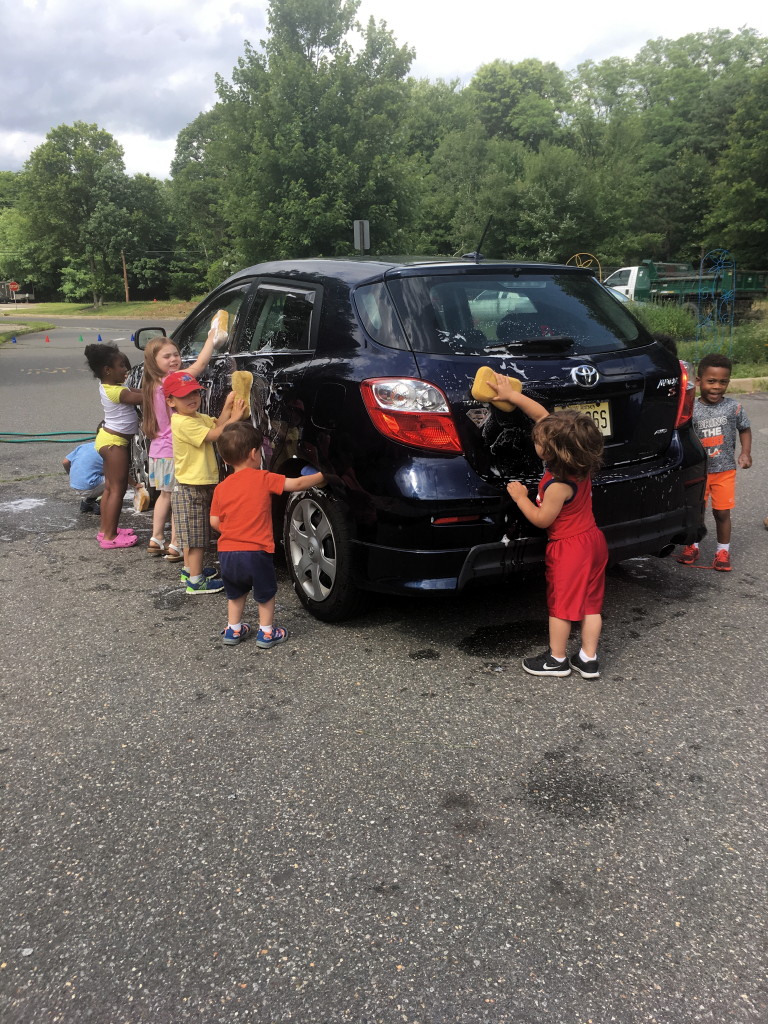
column 197, row 471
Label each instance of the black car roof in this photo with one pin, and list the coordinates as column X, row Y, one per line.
column 354, row 271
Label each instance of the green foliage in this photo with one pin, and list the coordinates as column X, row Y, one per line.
column 661, row 157
column 9, row 189
column 750, row 343
column 313, row 134
column 197, row 194
column 740, row 211
column 77, row 281
column 665, row 318
column 522, row 102
column 74, row 203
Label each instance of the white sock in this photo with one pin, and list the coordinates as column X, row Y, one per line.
column 560, row 660
column 235, row 627
column 723, row 547
column 266, row 629
column 196, row 579
column 587, row 657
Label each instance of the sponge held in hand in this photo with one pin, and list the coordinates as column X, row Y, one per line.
column 483, row 391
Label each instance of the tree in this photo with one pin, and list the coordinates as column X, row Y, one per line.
column 522, row 102
column 739, row 216
column 198, row 188
column 152, row 248
column 312, row 134
column 75, row 204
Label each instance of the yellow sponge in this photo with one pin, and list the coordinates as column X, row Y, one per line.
column 482, row 390
column 242, row 381
column 220, row 327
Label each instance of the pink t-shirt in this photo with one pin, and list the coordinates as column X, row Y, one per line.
column 161, row 447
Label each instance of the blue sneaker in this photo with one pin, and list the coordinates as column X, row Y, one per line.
column 277, row 636
column 205, row 586
column 231, row 636
column 208, row 572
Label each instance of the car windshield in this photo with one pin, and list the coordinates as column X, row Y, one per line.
column 471, row 314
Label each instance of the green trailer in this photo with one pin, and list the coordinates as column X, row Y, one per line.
column 683, row 284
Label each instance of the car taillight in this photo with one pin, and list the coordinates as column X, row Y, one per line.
column 686, row 397
column 412, row 412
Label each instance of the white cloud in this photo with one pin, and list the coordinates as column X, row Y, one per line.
column 143, row 69
column 147, row 156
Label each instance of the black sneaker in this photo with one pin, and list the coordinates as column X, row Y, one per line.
column 546, row 665
column 586, row 669
column 90, row 506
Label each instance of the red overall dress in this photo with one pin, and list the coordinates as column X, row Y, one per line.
column 577, row 554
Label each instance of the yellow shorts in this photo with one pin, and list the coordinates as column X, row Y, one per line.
column 721, row 488
column 104, row 439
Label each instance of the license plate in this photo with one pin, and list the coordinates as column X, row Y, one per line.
column 599, row 411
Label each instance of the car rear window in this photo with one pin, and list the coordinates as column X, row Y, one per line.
column 471, row 314
column 377, row 315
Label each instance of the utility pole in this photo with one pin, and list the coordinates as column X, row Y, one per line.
column 125, row 275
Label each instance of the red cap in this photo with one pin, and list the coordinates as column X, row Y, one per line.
column 179, row 384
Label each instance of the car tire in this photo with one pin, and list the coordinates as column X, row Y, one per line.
column 317, row 538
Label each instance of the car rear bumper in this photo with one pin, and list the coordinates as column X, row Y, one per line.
column 639, row 517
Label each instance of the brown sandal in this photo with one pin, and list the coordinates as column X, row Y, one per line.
column 156, row 547
column 173, row 554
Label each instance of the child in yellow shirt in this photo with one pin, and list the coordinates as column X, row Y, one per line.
column 197, row 472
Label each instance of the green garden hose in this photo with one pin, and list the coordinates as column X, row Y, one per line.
column 49, row 437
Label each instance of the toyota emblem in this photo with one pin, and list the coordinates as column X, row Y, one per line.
column 585, row 376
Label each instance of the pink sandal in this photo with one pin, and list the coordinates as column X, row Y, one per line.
column 121, row 532
column 122, row 540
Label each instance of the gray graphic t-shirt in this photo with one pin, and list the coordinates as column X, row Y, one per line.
column 717, row 427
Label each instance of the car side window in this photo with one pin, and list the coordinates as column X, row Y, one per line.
column 280, row 319
column 619, row 279
column 193, row 338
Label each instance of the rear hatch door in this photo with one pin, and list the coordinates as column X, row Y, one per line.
column 555, row 329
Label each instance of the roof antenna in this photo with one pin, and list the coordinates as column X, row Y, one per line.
column 477, row 255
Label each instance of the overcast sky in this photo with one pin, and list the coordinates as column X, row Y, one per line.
column 143, row 69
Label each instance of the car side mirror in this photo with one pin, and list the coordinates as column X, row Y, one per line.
column 144, row 335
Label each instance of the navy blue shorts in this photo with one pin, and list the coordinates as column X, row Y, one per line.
column 242, row 571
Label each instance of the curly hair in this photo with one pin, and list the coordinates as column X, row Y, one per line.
column 152, row 378
column 237, row 440
column 716, row 359
column 100, row 356
column 570, row 443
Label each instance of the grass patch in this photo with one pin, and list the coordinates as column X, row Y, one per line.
column 175, row 309
column 7, row 335
column 747, row 347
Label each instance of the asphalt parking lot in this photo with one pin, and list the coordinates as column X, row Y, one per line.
column 379, row 821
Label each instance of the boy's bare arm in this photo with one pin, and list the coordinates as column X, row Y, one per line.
column 303, row 483
column 215, row 523
column 745, row 457
column 233, row 410
column 504, row 390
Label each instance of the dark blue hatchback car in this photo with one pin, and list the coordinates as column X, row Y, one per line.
column 363, row 368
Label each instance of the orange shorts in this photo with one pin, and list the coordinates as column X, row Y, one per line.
column 721, row 488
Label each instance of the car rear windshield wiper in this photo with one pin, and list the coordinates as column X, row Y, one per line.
column 550, row 342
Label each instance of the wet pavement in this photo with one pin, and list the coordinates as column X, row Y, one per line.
column 380, row 821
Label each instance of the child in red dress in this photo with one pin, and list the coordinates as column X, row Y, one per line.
column 571, row 447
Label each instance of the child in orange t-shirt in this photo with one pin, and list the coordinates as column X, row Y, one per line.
column 241, row 511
